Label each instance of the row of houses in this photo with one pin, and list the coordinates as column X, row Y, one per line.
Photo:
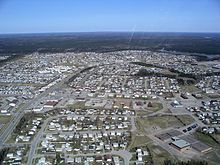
column 86, row 160
column 210, row 84
column 16, row 156
column 79, row 123
column 30, row 130
column 115, row 85
column 85, row 143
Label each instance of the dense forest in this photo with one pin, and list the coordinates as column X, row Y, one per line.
column 15, row 44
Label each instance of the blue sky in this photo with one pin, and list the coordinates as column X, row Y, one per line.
column 39, row 16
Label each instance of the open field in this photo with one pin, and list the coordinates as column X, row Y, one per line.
column 139, row 141
column 77, row 105
column 185, row 119
column 159, row 155
column 212, row 157
column 155, row 107
column 217, row 137
column 189, row 88
column 3, row 121
column 162, row 121
column 207, row 139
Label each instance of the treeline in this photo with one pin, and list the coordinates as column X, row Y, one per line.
column 62, row 42
column 3, row 153
column 181, row 80
column 147, row 64
column 144, row 72
column 11, row 58
column 22, row 123
column 76, row 75
column 190, row 162
column 210, row 135
column 193, row 76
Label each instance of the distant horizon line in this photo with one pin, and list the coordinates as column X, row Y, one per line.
column 28, row 33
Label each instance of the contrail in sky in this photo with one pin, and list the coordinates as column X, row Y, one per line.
column 132, row 34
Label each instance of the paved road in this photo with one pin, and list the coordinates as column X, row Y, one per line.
column 133, row 126
column 19, row 115
column 124, row 154
column 35, row 142
column 5, row 134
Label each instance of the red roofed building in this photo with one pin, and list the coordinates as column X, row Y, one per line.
column 51, row 103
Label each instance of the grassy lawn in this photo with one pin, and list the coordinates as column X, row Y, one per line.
column 139, row 125
column 159, row 155
column 11, row 139
column 20, row 107
column 169, row 73
column 143, row 112
column 77, row 105
column 217, row 137
column 68, row 64
column 185, row 119
column 213, row 157
column 189, row 88
column 210, row 96
column 4, row 119
column 161, row 121
column 206, row 139
column 139, row 141
column 155, row 106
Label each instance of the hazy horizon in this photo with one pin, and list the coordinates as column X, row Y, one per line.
column 128, row 32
